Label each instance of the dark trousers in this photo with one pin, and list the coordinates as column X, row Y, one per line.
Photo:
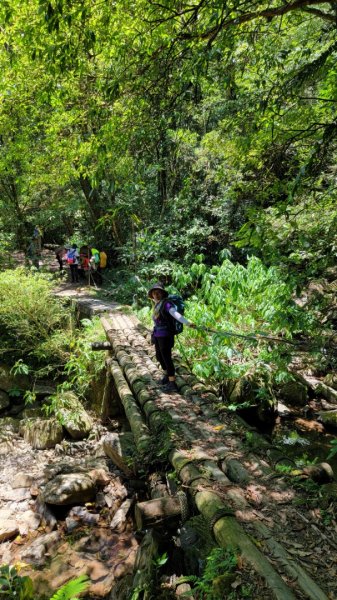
column 74, row 272
column 163, row 346
column 60, row 262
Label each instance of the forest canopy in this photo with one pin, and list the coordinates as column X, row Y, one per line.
column 171, row 128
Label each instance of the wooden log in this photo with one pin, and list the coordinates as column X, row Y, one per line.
column 235, row 471
column 294, row 570
column 138, row 427
column 101, row 346
column 227, row 531
column 153, row 512
column 157, row 485
column 321, row 473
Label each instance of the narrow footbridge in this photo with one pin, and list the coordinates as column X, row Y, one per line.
column 226, row 470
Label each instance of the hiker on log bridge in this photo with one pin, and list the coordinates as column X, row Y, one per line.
column 168, row 322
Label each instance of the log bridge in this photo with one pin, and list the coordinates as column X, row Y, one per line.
column 247, row 505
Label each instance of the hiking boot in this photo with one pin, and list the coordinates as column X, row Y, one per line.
column 164, row 380
column 171, row 386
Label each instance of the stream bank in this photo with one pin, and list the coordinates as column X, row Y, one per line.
column 96, row 535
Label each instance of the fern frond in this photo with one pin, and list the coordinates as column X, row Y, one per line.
column 71, row 589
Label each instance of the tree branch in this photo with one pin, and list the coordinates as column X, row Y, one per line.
column 268, row 13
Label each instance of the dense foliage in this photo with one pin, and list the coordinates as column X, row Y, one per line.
column 170, row 129
column 34, row 325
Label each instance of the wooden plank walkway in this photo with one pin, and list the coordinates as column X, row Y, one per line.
column 247, row 504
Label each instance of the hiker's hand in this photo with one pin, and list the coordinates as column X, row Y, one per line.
column 192, row 325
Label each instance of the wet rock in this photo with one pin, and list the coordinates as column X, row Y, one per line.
column 41, row 433
column 294, row 393
column 69, row 489
column 74, row 417
column 8, row 526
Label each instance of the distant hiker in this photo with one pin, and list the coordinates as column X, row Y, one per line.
column 95, row 267
column 72, row 257
column 165, row 315
column 37, row 239
column 95, row 259
column 60, row 253
column 103, row 259
column 32, row 254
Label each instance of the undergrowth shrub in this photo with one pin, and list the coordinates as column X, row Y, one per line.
column 248, row 300
column 83, row 364
column 34, row 324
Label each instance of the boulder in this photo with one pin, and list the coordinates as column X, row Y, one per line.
column 41, row 433
column 8, row 381
column 8, row 526
column 28, row 521
column 294, row 393
column 32, row 413
column 70, row 488
column 22, row 480
column 9, row 424
column 73, row 416
column 120, row 447
column 328, row 417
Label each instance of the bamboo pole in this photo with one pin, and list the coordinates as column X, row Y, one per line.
column 139, row 429
column 227, row 531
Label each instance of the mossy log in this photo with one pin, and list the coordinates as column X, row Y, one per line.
column 100, row 346
column 235, row 471
column 229, row 534
column 153, row 512
column 138, row 427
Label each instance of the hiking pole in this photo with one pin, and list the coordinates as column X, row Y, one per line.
column 255, row 337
